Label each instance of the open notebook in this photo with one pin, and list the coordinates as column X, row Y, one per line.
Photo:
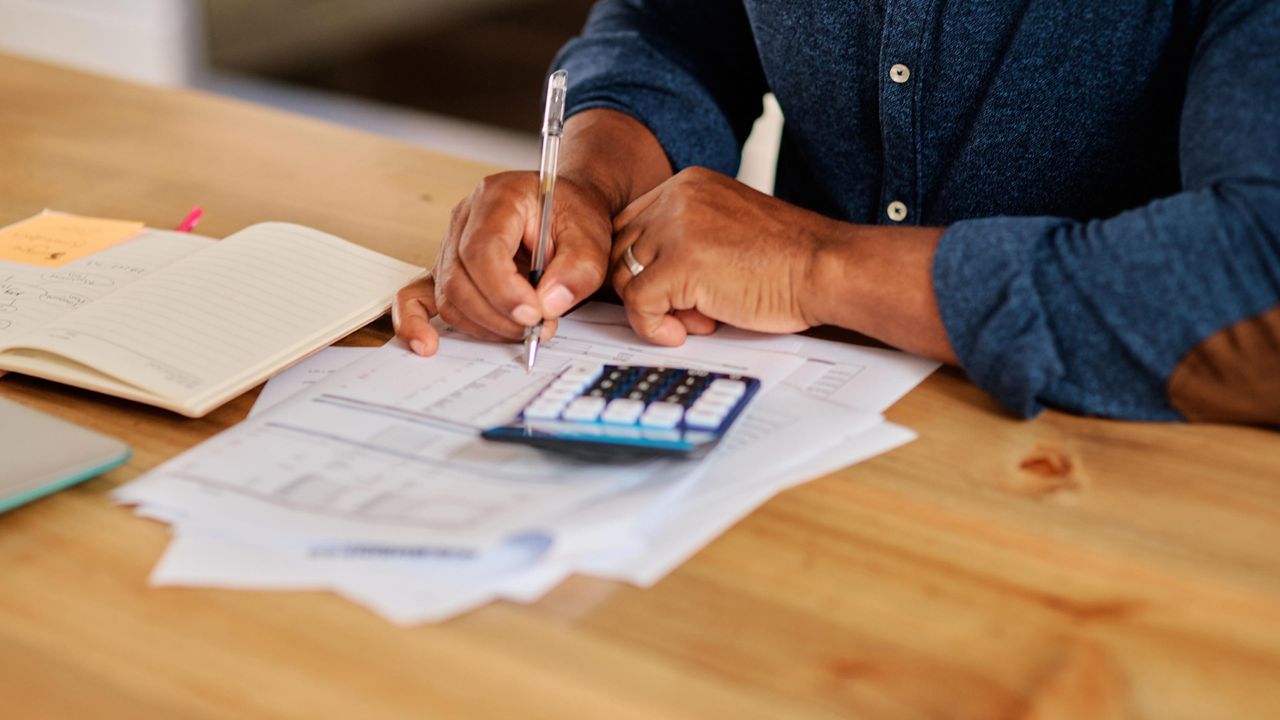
column 187, row 323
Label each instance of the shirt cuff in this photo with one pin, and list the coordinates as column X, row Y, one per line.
column 992, row 311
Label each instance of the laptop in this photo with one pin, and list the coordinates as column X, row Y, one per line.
column 40, row 454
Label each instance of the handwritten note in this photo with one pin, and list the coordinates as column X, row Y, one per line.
column 31, row 296
column 55, row 239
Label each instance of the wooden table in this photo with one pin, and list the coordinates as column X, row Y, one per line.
column 1057, row 568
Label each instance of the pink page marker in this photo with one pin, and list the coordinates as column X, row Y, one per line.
column 191, row 220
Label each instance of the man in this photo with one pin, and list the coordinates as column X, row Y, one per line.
column 1079, row 203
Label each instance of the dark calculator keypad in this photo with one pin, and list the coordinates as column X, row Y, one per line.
column 672, row 410
column 639, row 395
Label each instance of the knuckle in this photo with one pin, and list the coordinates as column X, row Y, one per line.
column 689, row 174
column 451, row 315
column 398, row 325
column 682, row 205
column 500, row 185
column 591, row 274
column 455, row 215
column 696, row 175
column 445, row 292
column 469, row 250
column 631, row 292
column 413, row 291
column 489, row 184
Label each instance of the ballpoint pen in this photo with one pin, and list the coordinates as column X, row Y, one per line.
column 552, row 128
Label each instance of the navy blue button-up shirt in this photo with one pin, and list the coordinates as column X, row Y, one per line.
column 1109, row 172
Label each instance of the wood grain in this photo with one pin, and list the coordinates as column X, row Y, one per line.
column 1062, row 567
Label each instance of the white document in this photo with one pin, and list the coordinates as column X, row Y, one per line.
column 305, row 373
column 864, row 378
column 636, row 534
column 858, row 377
column 371, row 481
column 670, row 538
column 406, row 591
column 386, row 452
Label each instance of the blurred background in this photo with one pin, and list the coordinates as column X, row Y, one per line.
column 458, row 76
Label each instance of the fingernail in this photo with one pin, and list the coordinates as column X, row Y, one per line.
column 418, row 347
column 557, row 300
column 526, row 315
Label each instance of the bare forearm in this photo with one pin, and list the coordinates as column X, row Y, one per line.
column 879, row 282
column 613, row 154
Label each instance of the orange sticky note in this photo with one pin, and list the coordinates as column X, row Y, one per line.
column 55, row 239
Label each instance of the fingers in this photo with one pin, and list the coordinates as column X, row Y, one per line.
column 411, row 315
column 648, row 301
column 695, row 323
column 620, row 274
column 466, row 308
column 578, row 261
column 499, row 218
column 651, row 308
column 458, row 300
column 482, row 291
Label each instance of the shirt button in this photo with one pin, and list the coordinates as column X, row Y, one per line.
column 899, row 73
column 897, row 211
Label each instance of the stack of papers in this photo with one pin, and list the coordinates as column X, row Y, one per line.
column 361, row 470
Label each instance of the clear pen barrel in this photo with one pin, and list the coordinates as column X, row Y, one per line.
column 552, row 128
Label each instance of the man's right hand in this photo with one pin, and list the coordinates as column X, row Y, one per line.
column 480, row 283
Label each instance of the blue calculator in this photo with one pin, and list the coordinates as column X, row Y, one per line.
column 615, row 412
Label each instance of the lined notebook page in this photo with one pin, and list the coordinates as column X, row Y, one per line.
column 224, row 318
column 32, row 296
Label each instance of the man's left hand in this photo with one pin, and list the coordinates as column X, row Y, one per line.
column 714, row 249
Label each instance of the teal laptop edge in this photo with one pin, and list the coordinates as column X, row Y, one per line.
column 42, row 454
column 9, row 503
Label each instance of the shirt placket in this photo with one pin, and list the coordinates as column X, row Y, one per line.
column 900, row 73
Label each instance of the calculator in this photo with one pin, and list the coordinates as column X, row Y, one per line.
column 617, row 412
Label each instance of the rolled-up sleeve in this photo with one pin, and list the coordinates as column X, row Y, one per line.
column 688, row 70
column 1167, row 311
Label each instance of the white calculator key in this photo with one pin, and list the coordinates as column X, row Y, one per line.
column 703, row 419
column 622, row 411
column 725, row 386
column 591, row 371
column 569, row 384
column 584, row 409
column 665, row 409
column 721, row 395
column 558, row 394
column 662, row 415
column 715, row 403
column 543, row 411
column 579, row 377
